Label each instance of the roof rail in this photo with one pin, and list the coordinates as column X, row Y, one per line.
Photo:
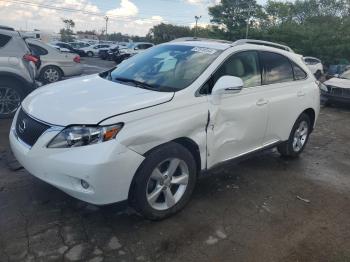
column 184, row 39
column 261, row 42
column 6, row 28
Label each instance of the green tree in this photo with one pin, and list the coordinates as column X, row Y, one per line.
column 165, row 32
column 234, row 15
column 67, row 32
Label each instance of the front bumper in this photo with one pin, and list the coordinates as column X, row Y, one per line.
column 108, row 167
column 332, row 98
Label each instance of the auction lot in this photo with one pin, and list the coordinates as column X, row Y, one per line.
column 264, row 209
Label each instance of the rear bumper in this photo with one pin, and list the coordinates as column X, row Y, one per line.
column 75, row 70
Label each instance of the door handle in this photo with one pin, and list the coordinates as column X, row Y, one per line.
column 261, row 102
column 301, row 94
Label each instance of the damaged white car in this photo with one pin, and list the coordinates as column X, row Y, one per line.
column 145, row 130
column 337, row 89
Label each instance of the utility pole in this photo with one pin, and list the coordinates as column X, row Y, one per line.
column 248, row 23
column 247, row 29
column 106, row 18
column 196, row 28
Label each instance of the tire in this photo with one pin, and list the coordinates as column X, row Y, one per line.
column 150, row 193
column 293, row 148
column 51, row 74
column 90, row 54
column 11, row 96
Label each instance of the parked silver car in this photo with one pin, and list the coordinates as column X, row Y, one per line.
column 54, row 64
column 17, row 71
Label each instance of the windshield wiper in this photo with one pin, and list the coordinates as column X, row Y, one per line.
column 136, row 83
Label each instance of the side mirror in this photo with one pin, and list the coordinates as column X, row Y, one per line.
column 136, row 48
column 227, row 85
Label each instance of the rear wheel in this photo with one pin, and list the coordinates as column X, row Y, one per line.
column 164, row 182
column 51, row 74
column 10, row 98
column 298, row 137
column 90, row 54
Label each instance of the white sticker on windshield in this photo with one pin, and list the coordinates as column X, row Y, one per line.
column 204, row 50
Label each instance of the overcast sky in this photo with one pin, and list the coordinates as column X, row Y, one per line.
column 134, row 17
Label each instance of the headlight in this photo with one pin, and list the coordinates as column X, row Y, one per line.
column 322, row 86
column 75, row 136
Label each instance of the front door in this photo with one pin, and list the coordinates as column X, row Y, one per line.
column 238, row 121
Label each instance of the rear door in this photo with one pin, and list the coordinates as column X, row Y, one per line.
column 284, row 90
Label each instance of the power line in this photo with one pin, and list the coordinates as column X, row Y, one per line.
column 66, row 9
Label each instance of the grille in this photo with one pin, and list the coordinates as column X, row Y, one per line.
column 28, row 129
column 344, row 92
column 337, row 91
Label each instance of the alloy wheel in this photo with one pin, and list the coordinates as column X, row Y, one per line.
column 300, row 136
column 167, row 184
column 10, row 100
column 51, row 75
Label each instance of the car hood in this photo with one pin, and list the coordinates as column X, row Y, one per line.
column 88, row 100
column 338, row 82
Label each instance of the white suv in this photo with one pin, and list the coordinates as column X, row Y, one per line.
column 315, row 65
column 145, row 130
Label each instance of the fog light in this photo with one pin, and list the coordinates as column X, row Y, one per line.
column 84, row 184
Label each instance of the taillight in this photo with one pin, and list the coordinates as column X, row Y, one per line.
column 31, row 58
column 76, row 59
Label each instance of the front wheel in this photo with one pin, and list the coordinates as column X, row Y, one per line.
column 90, row 54
column 164, row 182
column 298, row 138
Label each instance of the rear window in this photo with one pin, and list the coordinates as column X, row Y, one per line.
column 299, row 73
column 37, row 50
column 278, row 68
column 4, row 39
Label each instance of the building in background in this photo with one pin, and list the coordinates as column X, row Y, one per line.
column 45, row 36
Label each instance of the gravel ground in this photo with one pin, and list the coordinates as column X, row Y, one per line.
column 263, row 209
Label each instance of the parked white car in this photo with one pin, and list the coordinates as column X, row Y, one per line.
column 145, row 130
column 94, row 49
column 62, row 49
column 54, row 64
column 135, row 48
column 315, row 65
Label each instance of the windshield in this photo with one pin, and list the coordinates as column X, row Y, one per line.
column 165, row 67
column 345, row 75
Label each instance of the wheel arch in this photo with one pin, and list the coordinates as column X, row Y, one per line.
column 310, row 112
column 28, row 87
column 186, row 142
column 50, row 65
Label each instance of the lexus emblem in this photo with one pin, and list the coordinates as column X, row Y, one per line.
column 22, row 126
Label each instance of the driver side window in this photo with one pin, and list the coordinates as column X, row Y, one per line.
column 244, row 65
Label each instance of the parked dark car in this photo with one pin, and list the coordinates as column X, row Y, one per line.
column 70, row 48
column 108, row 54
